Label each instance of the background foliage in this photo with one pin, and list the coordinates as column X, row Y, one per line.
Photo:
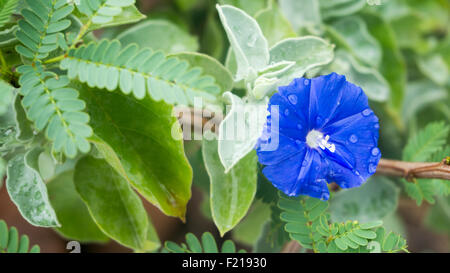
column 76, row 164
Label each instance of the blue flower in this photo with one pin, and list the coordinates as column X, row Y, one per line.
column 323, row 131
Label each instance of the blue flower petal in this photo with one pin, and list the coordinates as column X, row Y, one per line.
column 327, row 133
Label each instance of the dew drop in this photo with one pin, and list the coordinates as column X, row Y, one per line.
column 375, row 151
column 319, row 120
column 286, row 112
column 324, row 196
column 376, row 126
column 298, row 142
column 353, row 138
column 372, row 168
column 293, row 99
column 306, row 82
column 366, row 112
column 299, row 126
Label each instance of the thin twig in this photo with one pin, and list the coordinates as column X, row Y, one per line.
column 388, row 167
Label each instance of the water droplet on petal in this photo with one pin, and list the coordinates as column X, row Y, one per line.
column 353, row 138
column 372, row 168
column 286, row 112
column 299, row 126
column 375, row 151
column 293, row 99
column 319, row 120
column 306, row 82
column 366, row 112
column 324, row 196
column 376, row 126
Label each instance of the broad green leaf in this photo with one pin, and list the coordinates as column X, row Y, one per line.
column 419, row 95
column 76, row 222
column 249, row 45
column 143, row 142
column 374, row 200
column 232, row 193
column 434, row 67
column 307, row 52
column 392, row 65
column 240, row 129
column 28, row 191
column 340, row 8
column 251, row 227
column 354, row 34
column 113, row 204
column 274, row 25
column 210, row 66
column 251, row 7
column 6, row 96
column 301, row 13
column 159, row 35
column 152, row 242
column 24, row 128
column 130, row 14
column 369, row 79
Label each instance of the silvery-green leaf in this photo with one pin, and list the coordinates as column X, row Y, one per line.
column 307, row 52
column 369, row 79
column 420, row 94
column 301, row 13
column 374, row 200
column 240, row 129
column 28, row 191
column 251, row 7
column 247, row 41
column 274, row 25
column 434, row 67
column 232, row 193
column 355, row 35
column 263, row 86
column 159, row 35
column 340, row 8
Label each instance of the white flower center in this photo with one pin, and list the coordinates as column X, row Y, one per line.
column 316, row 139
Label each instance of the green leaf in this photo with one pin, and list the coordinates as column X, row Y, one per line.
column 6, row 96
column 419, row 95
column 76, row 222
column 10, row 242
column 369, row 79
column 247, row 41
column 374, row 200
column 24, row 128
column 206, row 245
column 7, row 7
column 307, row 52
column 100, row 15
column 232, row 193
column 41, row 23
column 251, row 7
column 340, row 8
column 274, row 25
column 210, row 66
column 143, row 142
column 28, row 191
column 301, row 13
column 159, row 35
column 249, row 230
column 354, row 34
column 106, row 65
column 240, row 130
column 115, row 207
column 392, row 65
column 426, row 142
column 434, row 67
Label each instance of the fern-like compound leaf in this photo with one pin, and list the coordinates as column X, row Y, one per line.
column 102, row 11
column 40, row 29
column 207, row 244
column 107, row 65
column 7, row 7
column 308, row 223
column 54, row 106
column 10, row 242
